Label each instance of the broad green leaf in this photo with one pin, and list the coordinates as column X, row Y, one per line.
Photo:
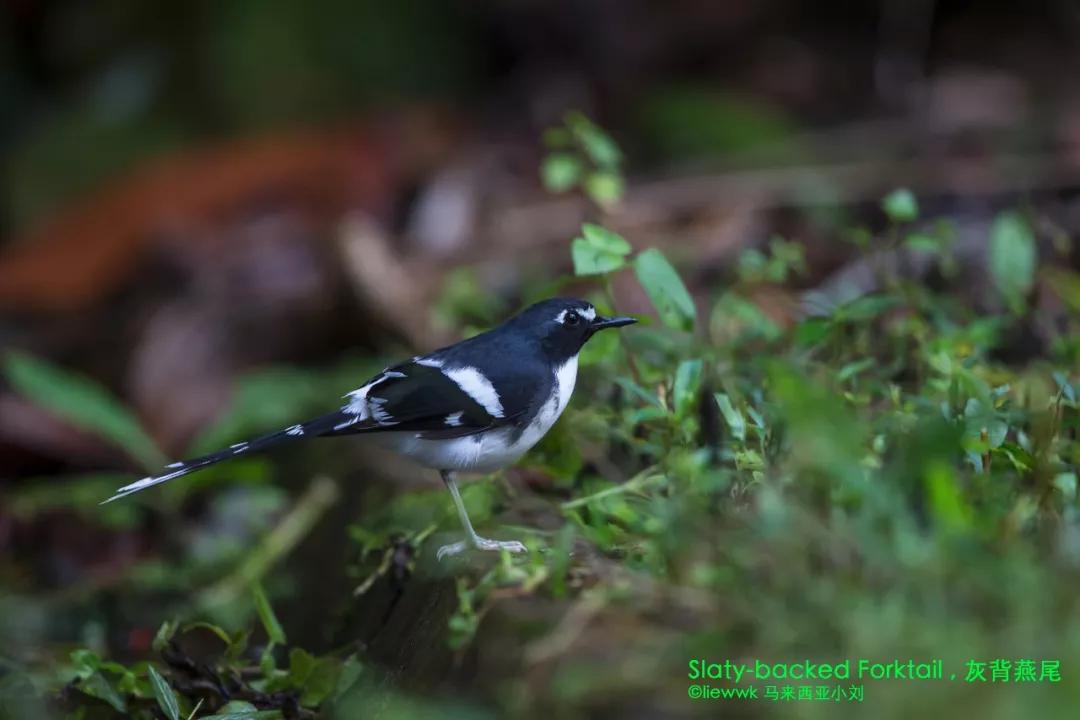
column 900, row 205
column 560, row 172
column 1012, row 257
column 166, row 698
column 665, row 289
column 269, row 620
column 82, row 402
column 732, row 416
column 598, row 251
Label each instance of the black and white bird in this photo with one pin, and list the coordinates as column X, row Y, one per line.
column 476, row 406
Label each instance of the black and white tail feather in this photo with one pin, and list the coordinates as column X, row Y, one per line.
column 429, row 397
column 320, row 426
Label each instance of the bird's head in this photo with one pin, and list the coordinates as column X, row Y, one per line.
column 564, row 325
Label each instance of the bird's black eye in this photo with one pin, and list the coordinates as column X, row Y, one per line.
column 572, row 318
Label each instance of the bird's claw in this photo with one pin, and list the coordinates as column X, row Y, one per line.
column 479, row 543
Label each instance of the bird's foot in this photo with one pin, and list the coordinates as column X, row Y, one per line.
column 479, row 543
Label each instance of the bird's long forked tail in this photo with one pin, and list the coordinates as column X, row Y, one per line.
column 332, row 424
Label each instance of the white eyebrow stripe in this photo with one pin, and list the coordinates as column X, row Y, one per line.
column 473, row 383
column 588, row 313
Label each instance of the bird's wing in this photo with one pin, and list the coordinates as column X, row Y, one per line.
column 432, row 398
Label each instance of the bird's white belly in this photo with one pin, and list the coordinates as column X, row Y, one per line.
column 488, row 451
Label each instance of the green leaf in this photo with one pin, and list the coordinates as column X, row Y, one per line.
column 732, row 416
column 164, row 635
column 301, row 663
column 596, row 143
column 947, row 503
column 598, row 251
column 269, row 620
column 866, row 307
column 1012, row 258
column 349, row 675
column 245, row 715
column 98, row 686
column 82, row 402
column 560, row 172
column 604, row 188
column 321, row 681
column 166, row 698
column 900, row 205
column 211, row 628
column 687, row 382
column 665, row 289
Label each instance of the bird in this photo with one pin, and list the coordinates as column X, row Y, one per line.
column 476, row 406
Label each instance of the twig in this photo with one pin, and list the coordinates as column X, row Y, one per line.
column 320, row 496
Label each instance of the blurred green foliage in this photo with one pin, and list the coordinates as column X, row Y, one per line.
column 872, row 482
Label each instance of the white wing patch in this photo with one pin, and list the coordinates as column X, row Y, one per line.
column 454, row 419
column 473, row 383
column 295, row 430
column 361, row 407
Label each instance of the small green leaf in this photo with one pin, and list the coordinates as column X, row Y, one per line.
column 269, row 620
column 665, row 289
column 948, row 504
column 687, row 383
column 866, row 307
column 598, row 251
column 732, row 416
column 852, row 369
column 321, row 681
column 560, row 172
column 597, row 144
column 301, row 663
column 350, row 673
column 211, row 628
column 1012, row 258
column 604, row 188
column 166, row 698
column 246, row 715
column 98, row 686
column 82, row 402
column 164, row 635
column 921, row 242
column 900, row 205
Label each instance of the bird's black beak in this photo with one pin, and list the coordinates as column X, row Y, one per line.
column 601, row 322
